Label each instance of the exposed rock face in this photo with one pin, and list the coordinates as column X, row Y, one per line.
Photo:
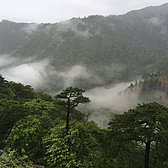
column 3, row 153
column 163, row 79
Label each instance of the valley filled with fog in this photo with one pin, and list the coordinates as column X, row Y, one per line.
column 102, row 55
column 87, row 92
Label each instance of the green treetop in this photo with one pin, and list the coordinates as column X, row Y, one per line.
column 71, row 98
column 146, row 123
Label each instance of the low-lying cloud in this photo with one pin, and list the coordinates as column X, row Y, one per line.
column 73, row 73
column 109, row 97
column 30, row 28
column 27, row 73
column 40, row 74
column 6, row 60
column 77, row 26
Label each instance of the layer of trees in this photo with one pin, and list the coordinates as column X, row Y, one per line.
column 113, row 48
column 37, row 128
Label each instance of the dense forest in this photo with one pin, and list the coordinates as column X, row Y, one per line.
column 38, row 129
column 47, row 118
column 103, row 50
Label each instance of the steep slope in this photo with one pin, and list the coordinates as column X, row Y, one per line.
column 11, row 36
column 151, row 87
column 107, row 49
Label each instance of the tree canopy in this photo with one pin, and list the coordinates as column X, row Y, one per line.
column 146, row 123
column 53, row 133
column 71, row 98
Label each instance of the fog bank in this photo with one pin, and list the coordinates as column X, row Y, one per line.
column 40, row 74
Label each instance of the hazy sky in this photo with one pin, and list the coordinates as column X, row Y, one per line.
column 44, row 11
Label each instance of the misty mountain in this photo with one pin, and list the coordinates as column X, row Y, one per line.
column 86, row 52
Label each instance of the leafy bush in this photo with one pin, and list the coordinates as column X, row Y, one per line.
column 15, row 162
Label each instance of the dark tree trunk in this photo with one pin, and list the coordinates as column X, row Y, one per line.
column 67, row 120
column 155, row 158
column 147, row 155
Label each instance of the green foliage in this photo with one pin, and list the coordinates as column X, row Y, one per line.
column 43, row 96
column 12, row 36
column 150, row 82
column 5, row 90
column 71, row 98
column 146, row 124
column 35, row 128
column 26, row 138
column 120, row 154
column 39, row 107
column 22, row 93
column 78, row 148
column 44, row 110
column 10, row 112
column 74, row 95
column 113, row 48
column 14, row 162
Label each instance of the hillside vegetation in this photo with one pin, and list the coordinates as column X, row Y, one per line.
column 46, row 125
column 105, row 50
column 37, row 129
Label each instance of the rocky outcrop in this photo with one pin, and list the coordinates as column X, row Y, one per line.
column 3, row 153
column 163, row 81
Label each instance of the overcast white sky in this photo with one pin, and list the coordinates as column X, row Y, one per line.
column 44, row 11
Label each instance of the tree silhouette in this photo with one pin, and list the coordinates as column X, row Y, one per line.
column 71, row 98
column 146, row 124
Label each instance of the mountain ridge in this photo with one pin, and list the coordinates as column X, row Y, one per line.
column 111, row 48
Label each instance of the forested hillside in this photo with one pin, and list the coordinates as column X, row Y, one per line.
column 103, row 50
column 120, row 61
column 37, row 129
